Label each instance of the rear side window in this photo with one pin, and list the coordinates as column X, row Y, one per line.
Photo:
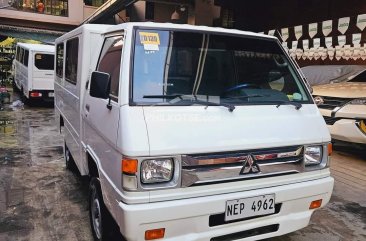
column 60, row 60
column 44, row 61
column 26, row 56
column 21, row 53
column 110, row 62
column 18, row 53
column 71, row 67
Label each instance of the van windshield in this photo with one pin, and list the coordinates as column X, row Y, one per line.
column 170, row 66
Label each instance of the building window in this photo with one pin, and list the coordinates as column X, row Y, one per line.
column 44, row 61
column 111, row 53
column 94, row 3
column 60, row 60
column 51, row 7
column 71, row 67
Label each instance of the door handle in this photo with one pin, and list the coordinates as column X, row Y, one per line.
column 87, row 107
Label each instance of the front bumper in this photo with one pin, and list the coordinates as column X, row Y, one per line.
column 343, row 123
column 347, row 130
column 188, row 219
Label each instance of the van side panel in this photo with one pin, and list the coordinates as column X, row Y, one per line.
column 20, row 74
column 67, row 103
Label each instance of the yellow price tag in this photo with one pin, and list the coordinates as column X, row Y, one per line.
column 149, row 38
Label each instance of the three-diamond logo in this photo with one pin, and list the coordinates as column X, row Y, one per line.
column 250, row 166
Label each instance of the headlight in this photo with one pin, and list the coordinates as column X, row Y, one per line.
column 313, row 155
column 157, row 170
column 357, row 102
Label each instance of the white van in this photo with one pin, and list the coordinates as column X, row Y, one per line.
column 34, row 71
column 190, row 132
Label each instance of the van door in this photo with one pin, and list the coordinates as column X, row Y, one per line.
column 101, row 123
column 43, row 75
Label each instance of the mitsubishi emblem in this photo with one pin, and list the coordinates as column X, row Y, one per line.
column 250, row 166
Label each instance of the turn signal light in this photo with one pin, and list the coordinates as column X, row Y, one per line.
column 129, row 166
column 154, row 234
column 316, row 204
column 330, row 149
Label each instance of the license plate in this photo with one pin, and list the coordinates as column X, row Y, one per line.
column 250, row 207
column 51, row 94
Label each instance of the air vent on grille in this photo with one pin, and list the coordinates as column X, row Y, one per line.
column 332, row 102
column 330, row 120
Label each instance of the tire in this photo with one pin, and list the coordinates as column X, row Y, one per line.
column 99, row 217
column 69, row 160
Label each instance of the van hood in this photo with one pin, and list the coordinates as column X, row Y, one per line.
column 197, row 129
column 341, row 90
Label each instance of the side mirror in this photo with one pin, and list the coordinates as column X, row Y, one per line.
column 100, row 85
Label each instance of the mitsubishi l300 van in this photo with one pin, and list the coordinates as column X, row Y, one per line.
column 34, row 69
column 190, row 132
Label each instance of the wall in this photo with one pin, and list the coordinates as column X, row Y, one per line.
column 88, row 10
column 75, row 15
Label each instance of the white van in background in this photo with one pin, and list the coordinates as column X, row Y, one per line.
column 190, row 132
column 34, row 71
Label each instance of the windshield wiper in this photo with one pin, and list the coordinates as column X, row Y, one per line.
column 193, row 100
column 286, row 102
column 163, row 96
column 244, row 96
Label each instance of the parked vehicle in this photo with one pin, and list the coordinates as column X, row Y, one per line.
column 34, row 71
column 342, row 102
column 190, row 132
column 328, row 74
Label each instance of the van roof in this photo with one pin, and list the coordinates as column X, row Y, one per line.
column 37, row 47
column 103, row 28
column 185, row 27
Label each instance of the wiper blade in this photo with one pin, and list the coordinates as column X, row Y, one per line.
column 163, row 96
column 192, row 98
column 286, row 102
column 231, row 108
column 245, row 96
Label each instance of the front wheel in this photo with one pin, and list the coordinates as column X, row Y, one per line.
column 97, row 211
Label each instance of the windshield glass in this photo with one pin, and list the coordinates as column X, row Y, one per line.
column 211, row 67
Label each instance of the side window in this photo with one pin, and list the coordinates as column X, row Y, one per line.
column 26, row 56
column 17, row 54
column 71, row 67
column 21, row 53
column 60, row 60
column 110, row 62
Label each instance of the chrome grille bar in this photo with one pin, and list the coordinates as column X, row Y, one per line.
column 223, row 167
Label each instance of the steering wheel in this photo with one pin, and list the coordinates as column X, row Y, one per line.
column 242, row 86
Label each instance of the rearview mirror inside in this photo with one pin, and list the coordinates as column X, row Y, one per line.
column 100, row 85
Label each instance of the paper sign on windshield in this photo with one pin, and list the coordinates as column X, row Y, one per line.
column 150, row 41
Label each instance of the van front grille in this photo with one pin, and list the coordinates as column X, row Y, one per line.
column 214, row 168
